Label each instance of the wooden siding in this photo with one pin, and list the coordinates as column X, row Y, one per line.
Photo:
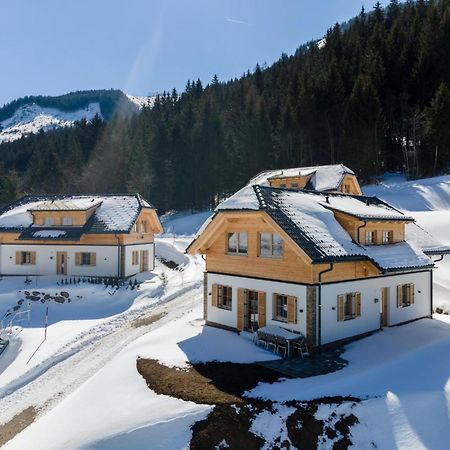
column 79, row 218
column 352, row 183
column 294, row 266
column 288, row 181
column 351, row 225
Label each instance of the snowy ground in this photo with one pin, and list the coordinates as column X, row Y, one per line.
column 89, row 395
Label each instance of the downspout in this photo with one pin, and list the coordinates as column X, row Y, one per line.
column 361, row 226
column 319, row 312
column 118, row 255
column 431, row 285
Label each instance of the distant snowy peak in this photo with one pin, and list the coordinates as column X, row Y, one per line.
column 31, row 118
column 141, row 101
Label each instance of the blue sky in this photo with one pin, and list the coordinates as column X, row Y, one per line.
column 51, row 47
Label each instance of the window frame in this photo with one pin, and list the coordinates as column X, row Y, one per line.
column 49, row 221
column 271, row 246
column 277, row 308
column 372, row 233
column 66, row 219
column 408, row 299
column 390, row 237
column 25, row 258
column 237, row 248
column 83, row 260
column 229, row 297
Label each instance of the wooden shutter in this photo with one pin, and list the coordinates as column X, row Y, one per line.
column 33, row 258
column 411, row 292
column 261, row 309
column 78, row 259
column 215, row 294
column 240, row 309
column 291, row 309
column 399, row 296
column 93, row 259
column 340, row 308
column 18, row 259
column 358, row 304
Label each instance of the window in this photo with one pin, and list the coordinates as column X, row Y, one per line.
column 370, row 237
column 405, row 295
column 280, row 307
column 85, row 259
column 387, row 237
column 270, row 245
column 349, row 306
column 28, row 258
column 237, row 243
column 346, row 189
column 294, row 185
column 283, row 185
column 135, row 257
column 67, row 221
column 135, row 227
column 224, row 297
column 49, row 221
column 143, row 227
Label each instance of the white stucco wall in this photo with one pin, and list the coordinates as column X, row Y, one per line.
column 107, row 259
column 132, row 269
column 333, row 330
column 229, row 318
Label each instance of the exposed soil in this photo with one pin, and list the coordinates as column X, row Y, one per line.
column 213, row 383
column 18, row 423
column 147, row 320
column 228, row 424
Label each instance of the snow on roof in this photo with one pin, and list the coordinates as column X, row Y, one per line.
column 363, row 207
column 114, row 213
column 69, row 204
column 323, row 177
column 49, row 233
column 308, row 220
column 423, row 240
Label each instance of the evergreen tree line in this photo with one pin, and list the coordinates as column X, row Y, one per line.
column 373, row 95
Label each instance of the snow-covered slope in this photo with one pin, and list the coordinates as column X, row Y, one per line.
column 31, row 118
column 141, row 101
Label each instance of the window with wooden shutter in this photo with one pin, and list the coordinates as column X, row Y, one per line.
column 405, row 295
column 215, row 294
column 340, row 307
column 18, row 257
column 33, row 258
column 78, row 259
column 291, row 309
column 93, row 259
column 261, row 309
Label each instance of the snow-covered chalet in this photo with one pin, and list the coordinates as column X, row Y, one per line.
column 304, row 249
column 78, row 235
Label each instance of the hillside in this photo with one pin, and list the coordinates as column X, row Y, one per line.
column 31, row 114
column 373, row 95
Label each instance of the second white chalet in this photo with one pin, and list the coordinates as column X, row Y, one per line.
column 78, row 235
column 303, row 249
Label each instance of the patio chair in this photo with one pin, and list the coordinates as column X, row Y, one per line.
column 260, row 339
column 282, row 346
column 301, row 347
column 271, row 342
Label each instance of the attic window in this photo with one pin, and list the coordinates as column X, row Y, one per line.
column 283, row 185
column 49, row 221
column 237, row 243
column 270, row 245
column 67, row 221
column 387, row 237
column 294, row 185
column 370, row 237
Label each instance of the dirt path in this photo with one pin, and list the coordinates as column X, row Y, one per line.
column 18, row 423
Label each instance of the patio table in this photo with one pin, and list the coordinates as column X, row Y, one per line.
column 279, row 332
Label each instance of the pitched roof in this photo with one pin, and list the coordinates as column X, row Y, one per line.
column 322, row 178
column 114, row 214
column 308, row 219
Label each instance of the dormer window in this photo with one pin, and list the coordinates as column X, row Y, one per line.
column 49, row 221
column 67, row 221
column 135, row 227
column 283, row 185
column 370, row 237
column 294, row 185
column 387, row 237
column 143, row 227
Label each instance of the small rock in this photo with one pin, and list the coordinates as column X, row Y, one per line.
column 20, row 302
column 46, row 296
column 439, row 310
column 36, row 293
column 15, row 308
column 65, row 294
column 42, row 300
column 35, row 298
column 26, row 293
column 59, row 299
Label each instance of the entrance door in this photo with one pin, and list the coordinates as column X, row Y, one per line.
column 61, row 263
column 251, row 311
column 384, row 307
column 144, row 260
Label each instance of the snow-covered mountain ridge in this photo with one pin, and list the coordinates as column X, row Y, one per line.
column 30, row 117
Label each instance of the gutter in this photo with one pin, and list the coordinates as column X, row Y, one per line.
column 319, row 312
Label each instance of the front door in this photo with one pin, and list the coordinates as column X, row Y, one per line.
column 144, row 260
column 251, row 311
column 61, row 263
column 384, row 307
